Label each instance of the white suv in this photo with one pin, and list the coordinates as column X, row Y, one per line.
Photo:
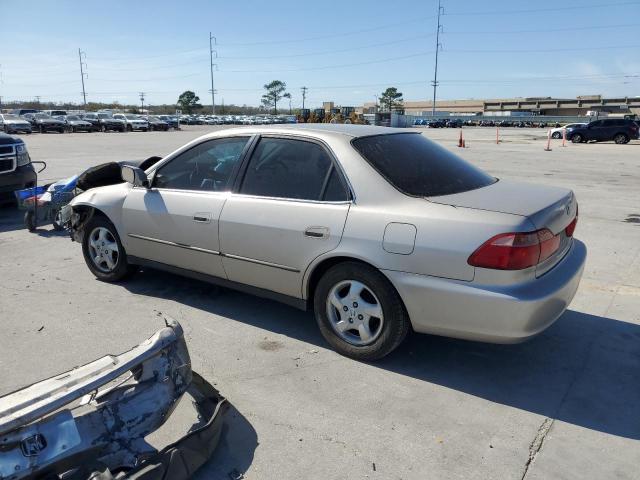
column 133, row 122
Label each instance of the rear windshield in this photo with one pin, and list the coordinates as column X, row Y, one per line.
column 419, row 167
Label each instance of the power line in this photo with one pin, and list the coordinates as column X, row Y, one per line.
column 304, row 95
column 328, row 52
column 544, row 30
column 333, row 35
column 141, row 102
column 325, row 67
column 545, row 50
column 581, row 7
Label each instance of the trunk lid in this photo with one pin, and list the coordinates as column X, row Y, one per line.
column 548, row 207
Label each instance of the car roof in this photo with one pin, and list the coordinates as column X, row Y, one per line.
column 317, row 129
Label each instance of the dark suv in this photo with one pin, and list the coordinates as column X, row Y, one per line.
column 16, row 171
column 619, row 130
column 103, row 122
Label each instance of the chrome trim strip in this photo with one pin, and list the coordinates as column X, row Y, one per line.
column 213, row 252
column 261, row 262
column 174, row 244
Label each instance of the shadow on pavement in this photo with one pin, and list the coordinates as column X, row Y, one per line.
column 10, row 218
column 234, row 454
column 583, row 370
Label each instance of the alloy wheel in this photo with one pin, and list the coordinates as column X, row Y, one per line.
column 103, row 249
column 355, row 313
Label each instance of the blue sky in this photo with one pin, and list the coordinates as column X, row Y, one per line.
column 346, row 51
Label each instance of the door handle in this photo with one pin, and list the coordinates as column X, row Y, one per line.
column 202, row 217
column 316, row 232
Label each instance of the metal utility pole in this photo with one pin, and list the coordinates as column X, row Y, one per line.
column 304, row 95
column 82, row 74
column 142, row 102
column 1, row 83
column 212, row 42
column 438, row 45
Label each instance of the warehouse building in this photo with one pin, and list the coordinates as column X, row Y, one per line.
column 513, row 106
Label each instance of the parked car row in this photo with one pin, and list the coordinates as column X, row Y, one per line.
column 457, row 123
column 28, row 121
column 237, row 119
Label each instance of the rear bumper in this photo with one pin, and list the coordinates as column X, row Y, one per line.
column 490, row 313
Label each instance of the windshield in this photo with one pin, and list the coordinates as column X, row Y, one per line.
column 103, row 115
column 152, row 117
column 42, row 115
column 11, row 117
column 131, row 117
column 73, row 118
column 419, row 167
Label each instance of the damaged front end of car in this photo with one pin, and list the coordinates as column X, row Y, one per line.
column 94, row 422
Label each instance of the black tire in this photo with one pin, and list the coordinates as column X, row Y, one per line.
column 42, row 130
column 122, row 268
column 556, row 135
column 6, row 129
column 29, row 221
column 129, row 128
column 396, row 320
column 621, row 138
column 577, row 138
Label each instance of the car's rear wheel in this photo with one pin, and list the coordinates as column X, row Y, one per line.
column 129, row 128
column 556, row 135
column 359, row 312
column 103, row 252
column 621, row 139
column 577, row 138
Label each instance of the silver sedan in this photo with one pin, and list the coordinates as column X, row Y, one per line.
column 378, row 230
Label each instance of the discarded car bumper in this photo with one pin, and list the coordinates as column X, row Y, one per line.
column 91, row 422
column 491, row 313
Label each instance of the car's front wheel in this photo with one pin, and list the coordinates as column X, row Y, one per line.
column 103, row 251
column 359, row 312
column 577, row 138
column 556, row 135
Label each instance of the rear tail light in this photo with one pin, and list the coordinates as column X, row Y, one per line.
column 572, row 226
column 515, row 251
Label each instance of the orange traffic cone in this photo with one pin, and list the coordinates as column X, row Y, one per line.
column 464, row 145
column 460, row 140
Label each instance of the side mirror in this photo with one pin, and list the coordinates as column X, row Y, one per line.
column 134, row 176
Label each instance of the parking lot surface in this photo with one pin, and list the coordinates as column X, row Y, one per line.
column 563, row 405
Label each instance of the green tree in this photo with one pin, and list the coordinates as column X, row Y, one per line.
column 391, row 99
column 276, row 90
column 188, row 101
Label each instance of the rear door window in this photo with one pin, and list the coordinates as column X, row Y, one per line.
column 419, row 167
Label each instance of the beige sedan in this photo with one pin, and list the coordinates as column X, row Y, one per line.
column 378, row 230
